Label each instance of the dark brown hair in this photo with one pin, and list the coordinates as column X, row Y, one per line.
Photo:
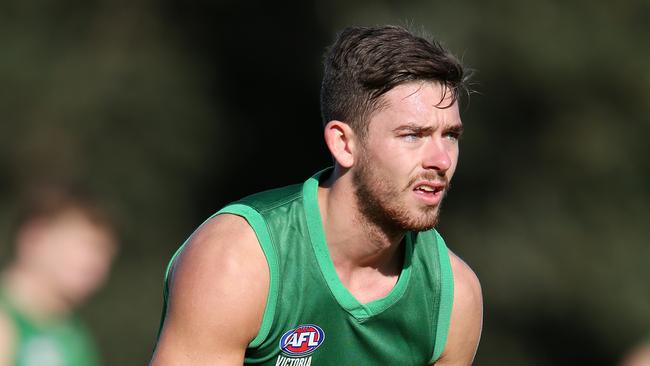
column 49, row 202
column 365, row 63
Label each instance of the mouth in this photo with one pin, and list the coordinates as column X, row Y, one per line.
column 430, row 193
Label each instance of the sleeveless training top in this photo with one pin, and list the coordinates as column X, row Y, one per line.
column 310, row 317
column 60, row 342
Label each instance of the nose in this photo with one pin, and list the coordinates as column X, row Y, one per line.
column 437, row 156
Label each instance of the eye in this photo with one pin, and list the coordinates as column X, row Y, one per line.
column 410, row 137
column 454, row 136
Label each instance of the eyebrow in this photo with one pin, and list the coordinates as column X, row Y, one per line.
column 457, row 128
column 416, row 128
column 412, row 127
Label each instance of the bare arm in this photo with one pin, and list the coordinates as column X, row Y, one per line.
column 217, row 297
column 7, row 339
column 466, row 317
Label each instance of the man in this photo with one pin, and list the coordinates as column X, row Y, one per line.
column 346, row 268
column 63, row 249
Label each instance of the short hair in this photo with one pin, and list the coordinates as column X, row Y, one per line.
column 49, row 202
column 366, row 62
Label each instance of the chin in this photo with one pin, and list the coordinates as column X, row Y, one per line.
column 79, row 296
column 421, row 226
column 420, row 221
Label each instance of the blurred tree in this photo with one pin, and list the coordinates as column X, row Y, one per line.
column 102, row 93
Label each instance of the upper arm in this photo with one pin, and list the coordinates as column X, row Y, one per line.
column 7, row 339
column 466, row 316
column 217, row 295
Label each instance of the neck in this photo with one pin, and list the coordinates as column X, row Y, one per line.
column 33, row 294
column 352, row 239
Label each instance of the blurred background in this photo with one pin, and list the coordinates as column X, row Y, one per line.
column 172, row 109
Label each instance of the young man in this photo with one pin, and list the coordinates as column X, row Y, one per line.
column 63, row 249
column 345, row 269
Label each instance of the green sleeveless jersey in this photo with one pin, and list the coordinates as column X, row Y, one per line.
column 59, row 342
column 310, row 317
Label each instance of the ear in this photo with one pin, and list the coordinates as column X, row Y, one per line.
column 341, row 141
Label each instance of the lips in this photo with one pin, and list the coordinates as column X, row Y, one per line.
column 430, row 192
column 430, row 187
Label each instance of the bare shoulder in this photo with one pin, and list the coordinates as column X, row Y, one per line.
column 225, row 245
column 218, row 289
column 466, row 316
column 7, row 339
column 466, row 284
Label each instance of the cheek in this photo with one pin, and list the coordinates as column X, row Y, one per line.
column 389, row 160
column 453, row 156
column 83, row 266
column 396, row 157
column 85, row 274
column 394, row 166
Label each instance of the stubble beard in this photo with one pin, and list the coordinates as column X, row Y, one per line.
column 379, row 202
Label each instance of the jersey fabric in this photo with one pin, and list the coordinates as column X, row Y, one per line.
column 312, row 319
column 59, row 342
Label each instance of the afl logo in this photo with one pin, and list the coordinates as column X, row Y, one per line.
column 302, row 340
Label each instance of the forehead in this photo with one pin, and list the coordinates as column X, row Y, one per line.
column 422, row 103
column 74, row 227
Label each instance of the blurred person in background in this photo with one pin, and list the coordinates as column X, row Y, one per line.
column 345, row 269
column 64, row 244
column 638, row 356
